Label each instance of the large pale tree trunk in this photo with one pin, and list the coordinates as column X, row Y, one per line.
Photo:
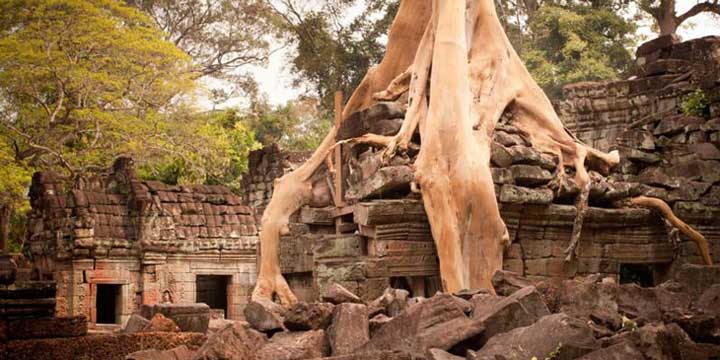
column 461, row 73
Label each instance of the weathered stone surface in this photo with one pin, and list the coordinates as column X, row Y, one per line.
column 705, row 151
column 392, row 302
column 178, row 353
column 521, row 195
column 135, row 323
column 500, row 156
column 522, row 308
column 374, row 355
column 234, row 342
column 56, row 327
column 659, row 43
column 709, row 301
column 695, row 279
column 189, row 317
column 437, row 354
column 507, row 282
column 336, row 294
column 101, row 346
column 570, row 337
column 159, row 323
column 529, row 175
column 435, row 323
column 377, row 322
column 701, row 328
column 295, row 346
column 621, row 351
column 350, row 329
column 309, row 316
column 264, row 316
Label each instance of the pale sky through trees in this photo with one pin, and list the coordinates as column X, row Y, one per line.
column 276, row 80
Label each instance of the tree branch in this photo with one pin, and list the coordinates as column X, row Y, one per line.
column 708, row 6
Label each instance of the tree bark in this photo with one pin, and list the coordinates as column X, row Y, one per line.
column 5, row 213
column 474, row 75
column 294, row 190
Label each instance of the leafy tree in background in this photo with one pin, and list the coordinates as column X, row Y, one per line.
column 577, row 42
column 297, row 125
column 666, row 18
column 217, row 145
column 13, row 202
column 222, row 37
column 333, row 53
column 84, row 81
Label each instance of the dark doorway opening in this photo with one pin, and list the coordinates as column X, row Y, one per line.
column 212, row 290
column 107, row 304
column 641, row 274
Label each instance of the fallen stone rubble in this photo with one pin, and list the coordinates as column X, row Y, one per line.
column 587, row 318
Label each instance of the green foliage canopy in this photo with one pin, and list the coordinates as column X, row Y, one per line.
column 577, row 42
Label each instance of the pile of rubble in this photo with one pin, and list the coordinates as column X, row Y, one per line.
column 588, row 318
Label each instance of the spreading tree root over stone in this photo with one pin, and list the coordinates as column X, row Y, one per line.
column 461, row 74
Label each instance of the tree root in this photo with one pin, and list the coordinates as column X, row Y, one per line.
column 294, row 189
column 581, row 205
column 666, row 212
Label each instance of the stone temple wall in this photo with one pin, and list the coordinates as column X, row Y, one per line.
column 150, row 239
column 606, row 114
column 153, row 239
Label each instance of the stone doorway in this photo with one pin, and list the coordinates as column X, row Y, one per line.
column 108, row 303
column 213, row 291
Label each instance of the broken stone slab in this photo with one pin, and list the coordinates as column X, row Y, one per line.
column 438, row 354
column 559, row 334
column 336, row 294
column 383, row 181
column 179, row 353
column 656, row 176
column 675, row 124
column 709, row 301
column 619, row 351
column 264, row 316
column 382, row 118
column 392, row 302
column 309, row 316
column 295, row 346
column 705, row 151
column 135, row 323
column 689, row 191
column 235, row 341
column 695, row 279
column 522, row 308
column 189, row 317
column 377, row 322
column 702, row 328
column 53, row 327
column 374, row 355
column 507, row 282
column 643, row 157
column 500, row 156
column 437, row 322
column 520, row 195
column 528, row 156
column 608, row 301
column 501, row 176
column 159, row 323
column 530, row 175
column 349, row 329
column 660, row 43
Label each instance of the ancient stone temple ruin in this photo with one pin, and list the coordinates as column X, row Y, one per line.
column 113, row 242
column 382, row 238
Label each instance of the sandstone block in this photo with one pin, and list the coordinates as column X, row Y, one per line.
column 349, row 329
column 295, row 346
column 309, row 316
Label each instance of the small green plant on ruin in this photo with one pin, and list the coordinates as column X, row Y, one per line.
column 553, row 355
column 696, row 104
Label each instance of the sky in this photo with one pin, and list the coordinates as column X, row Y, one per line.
column 275, row 79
